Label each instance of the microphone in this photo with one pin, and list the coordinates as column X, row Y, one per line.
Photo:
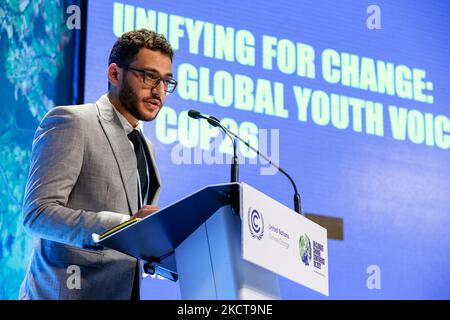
column 216, row 123
column 234, row 161
column 196, row 114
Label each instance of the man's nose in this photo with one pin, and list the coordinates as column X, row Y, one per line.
column 158, row 89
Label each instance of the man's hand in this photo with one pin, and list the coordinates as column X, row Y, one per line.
column 145, row 211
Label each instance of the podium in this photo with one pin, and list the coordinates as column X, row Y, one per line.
column 198, row 241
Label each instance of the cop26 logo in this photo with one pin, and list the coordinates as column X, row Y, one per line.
column 255, row 223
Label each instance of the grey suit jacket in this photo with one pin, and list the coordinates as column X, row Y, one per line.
column 82, row 180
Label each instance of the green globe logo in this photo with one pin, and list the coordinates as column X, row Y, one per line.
column 305, row 249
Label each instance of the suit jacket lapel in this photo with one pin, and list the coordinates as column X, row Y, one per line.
column 121, row 148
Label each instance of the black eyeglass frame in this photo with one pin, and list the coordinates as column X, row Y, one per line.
column 149, row 76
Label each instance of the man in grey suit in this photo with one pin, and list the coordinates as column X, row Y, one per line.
column 92, row 169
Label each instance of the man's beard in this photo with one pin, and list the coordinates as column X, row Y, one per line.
column 130, row 101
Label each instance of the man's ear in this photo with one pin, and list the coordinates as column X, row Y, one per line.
column 114, row 74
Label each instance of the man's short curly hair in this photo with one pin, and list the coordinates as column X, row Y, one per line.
column 128, row 45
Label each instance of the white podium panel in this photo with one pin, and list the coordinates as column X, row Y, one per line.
column 280, row 240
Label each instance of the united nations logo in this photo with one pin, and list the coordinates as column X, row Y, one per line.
column 255, row 223
column 305, row 249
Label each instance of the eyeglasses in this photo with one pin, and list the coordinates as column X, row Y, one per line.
column 153, row 80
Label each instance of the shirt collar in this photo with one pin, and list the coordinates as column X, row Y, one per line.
column 125, row 124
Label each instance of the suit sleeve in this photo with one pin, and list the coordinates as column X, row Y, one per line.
column 56, row 161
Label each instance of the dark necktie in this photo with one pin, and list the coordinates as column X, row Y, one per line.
column 138, row 143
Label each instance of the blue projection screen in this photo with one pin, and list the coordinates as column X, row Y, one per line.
column 351, row 99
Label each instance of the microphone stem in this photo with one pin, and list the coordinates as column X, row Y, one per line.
column 297, row 200
column 234, row 177
column 235, row 169
column 235, row 163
